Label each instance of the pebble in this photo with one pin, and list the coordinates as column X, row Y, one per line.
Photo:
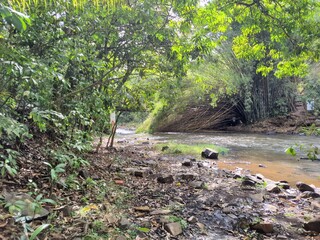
column 173, row 228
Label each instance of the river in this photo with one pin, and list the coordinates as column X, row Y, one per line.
column 259, row 153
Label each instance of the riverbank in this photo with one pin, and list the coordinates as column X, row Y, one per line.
column 219, row 204
column 134, row 192
column 294, row 123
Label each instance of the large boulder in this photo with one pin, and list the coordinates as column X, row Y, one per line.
column 209, row 153
column 304, row 187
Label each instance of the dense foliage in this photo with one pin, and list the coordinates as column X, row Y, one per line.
column 258, row 56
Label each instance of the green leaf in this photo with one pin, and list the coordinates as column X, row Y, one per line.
column 143, row 229
column 291, row 151
column 53, row 174
column 48, row 164
column 38, row 231
column 18, row 19
column 18, row 23
column 47, row 200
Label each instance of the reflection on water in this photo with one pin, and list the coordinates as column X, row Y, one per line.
column 248, row 151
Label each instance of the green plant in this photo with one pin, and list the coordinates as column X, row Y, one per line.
column 311, row 130
column 262, row 185
column 68, row 158
column 90, row 183
column 182, row 222
column 311, row 151
column 188, row 149
column 54, row 173
column 8, row 164
column 19, row 20
column 72, row 182
column 15, row 206
column 38, row 231
column 32, row 186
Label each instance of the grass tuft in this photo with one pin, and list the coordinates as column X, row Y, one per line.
column 188, row 149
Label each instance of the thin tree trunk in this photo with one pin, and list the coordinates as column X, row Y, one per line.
column 113, row 132
column 100, row 138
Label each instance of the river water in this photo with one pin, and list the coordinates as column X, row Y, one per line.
column 259, row 153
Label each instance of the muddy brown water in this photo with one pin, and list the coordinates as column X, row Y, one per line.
column 259, row 153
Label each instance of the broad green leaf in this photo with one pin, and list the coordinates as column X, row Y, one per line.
column 38, row 231
column 291, row 151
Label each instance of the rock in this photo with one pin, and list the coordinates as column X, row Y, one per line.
column 112, row 219
column 24, row 207
column 173, row 228
column 257, row 179
column 229, row 209
column 257, row 198
column 308, row 194
column 283, row 181
column 315, row 205
column 187, row 164
column 165, row 179
column 209, row 153
column 160, row 212
column 212, row 186
column 187, row 177
column 248, row 182
column 291, row 193
column 139, row 173
column 262, row 166
column 124, row 223
column 163, row 159
column 192, row 219
column 283, row 185
column 313, row 225
column 200, row 164
column 141, row 236
column 281, row 237
column 84, row 173
column 272, row 188
column 121, row 238
column 263, row 227
column 202, row 227
column 304, row 187
column 236, row 176
column 196, row 184
column 142, row 209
